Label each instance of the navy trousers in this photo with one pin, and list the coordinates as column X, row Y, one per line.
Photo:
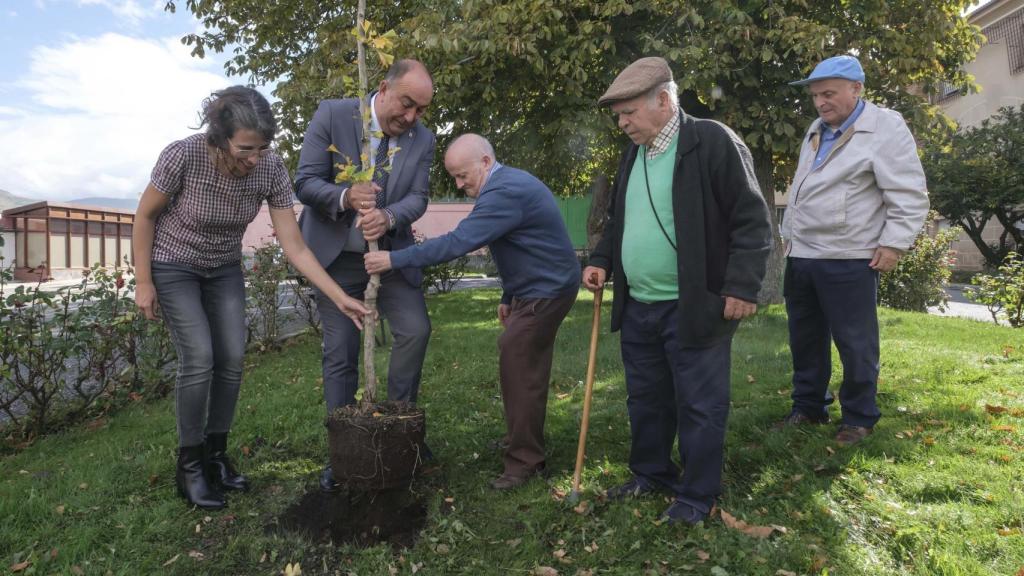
column 674, row 392
column 833, row 300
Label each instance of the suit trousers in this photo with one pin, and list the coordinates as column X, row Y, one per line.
column 406, row 312
column 830, row 300
column 525, row 351
column 674, row 392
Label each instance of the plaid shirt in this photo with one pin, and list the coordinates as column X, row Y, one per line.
column 664, row 138
column 208, row 213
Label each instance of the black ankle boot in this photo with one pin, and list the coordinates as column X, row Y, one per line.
column 191, row 480
column 219, row 467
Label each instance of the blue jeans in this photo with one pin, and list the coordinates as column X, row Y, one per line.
column 205, row 313
column 674, row 392
column 830, row 300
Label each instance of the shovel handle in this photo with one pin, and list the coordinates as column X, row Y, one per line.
column 588, row 390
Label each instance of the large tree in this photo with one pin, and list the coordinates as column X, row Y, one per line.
column 527, row 73
column 976, row 176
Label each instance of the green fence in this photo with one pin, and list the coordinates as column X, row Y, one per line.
column 575, row 212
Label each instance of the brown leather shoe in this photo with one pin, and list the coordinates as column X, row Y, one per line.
column 508, row 482
column 849, row 435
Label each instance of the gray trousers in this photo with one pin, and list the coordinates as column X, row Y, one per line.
column 406, row 312
column 205, row 313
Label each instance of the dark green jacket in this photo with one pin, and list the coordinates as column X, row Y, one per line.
column 723, row 232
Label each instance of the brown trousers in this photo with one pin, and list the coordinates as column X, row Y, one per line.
column 525, row 352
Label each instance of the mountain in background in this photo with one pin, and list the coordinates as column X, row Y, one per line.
column 8, row 200
column 121, row 203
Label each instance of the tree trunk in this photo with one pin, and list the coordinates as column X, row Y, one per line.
column 600, row 197
column 370, row 296
column 771, row 289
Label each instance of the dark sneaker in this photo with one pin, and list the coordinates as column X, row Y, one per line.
column 797, row 418
column 849, row 435
column 681, row 512
column 632, row 489
column 327, row 483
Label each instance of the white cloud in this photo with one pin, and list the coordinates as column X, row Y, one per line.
column 105, row 108
column 127, row 10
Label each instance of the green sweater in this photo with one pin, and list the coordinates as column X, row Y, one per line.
column 648, row 259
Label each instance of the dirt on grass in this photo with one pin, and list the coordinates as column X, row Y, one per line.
column 362, row 519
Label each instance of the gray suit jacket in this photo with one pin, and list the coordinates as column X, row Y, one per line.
column 325, row 227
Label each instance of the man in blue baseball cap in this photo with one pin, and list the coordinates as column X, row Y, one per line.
column 857, row 201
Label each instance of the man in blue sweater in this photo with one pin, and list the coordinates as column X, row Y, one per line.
column 516, row 216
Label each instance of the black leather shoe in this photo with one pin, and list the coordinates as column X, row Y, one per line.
column 327, row 482
column 681, row 512
column 797, row 418
column 218, row 466
column 632, row 489
column 191, row 480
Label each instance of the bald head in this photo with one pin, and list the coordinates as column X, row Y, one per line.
column 469, row 159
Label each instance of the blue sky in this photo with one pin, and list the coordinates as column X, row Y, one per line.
column 91, row 91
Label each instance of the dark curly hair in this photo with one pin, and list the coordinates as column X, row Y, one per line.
column 236, row 108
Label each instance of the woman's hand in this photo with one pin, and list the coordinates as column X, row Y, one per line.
column 354, row 309
column 145, row 299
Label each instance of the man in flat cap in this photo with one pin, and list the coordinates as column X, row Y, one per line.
column 857, row 201
column 686, row 239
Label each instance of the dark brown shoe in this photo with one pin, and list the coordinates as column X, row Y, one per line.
column 849, row 435
column 797, row 418
column 508, row 482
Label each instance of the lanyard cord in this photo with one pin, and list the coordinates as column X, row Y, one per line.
column 651, row 200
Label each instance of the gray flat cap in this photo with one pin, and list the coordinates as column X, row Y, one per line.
column 638, row 78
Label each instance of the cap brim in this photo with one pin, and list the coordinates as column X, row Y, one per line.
column 807, row 81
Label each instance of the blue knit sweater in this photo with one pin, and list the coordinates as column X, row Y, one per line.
column 517, row 218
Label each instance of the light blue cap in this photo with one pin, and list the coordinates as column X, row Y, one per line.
column 845, row 67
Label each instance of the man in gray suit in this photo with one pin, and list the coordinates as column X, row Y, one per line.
column 341, row 217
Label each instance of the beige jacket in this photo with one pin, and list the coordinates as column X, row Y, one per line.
column 870, row 191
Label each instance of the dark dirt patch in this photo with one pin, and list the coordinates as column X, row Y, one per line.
column 362, row 519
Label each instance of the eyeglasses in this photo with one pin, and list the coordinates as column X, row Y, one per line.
column 248, row 152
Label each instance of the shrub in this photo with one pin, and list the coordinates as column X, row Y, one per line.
column 444, row 276
column 917, row 281
column 266, row 271
column 1003, row 292
column 71, row 353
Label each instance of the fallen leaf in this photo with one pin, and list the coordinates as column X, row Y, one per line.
column 196, row 554
column 19, row 566
column 59, row 509
column 559, row 553
column 749, row 529
column 83, row 486
column 1021, row 571
column 293, row 569
column 781, row 572
column 964, row 407
column 1008, row 531
column 449, row 500
column 514, row 542
column 377, row 414
column 153, row 479
column 172, row 560
column 830, row 451
column 751, row 379
column 246, row 450
column 584, row 572
column 442, row 549
column 818, row 562
column 77, row 570
column 545, row 571
column 53, row 554
column 1006, row 351
column 703, row 556
column 582, row 508
column 1004, row 428
column 636, row 512
column 994, row 409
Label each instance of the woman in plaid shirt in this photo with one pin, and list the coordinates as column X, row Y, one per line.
column 204, row 191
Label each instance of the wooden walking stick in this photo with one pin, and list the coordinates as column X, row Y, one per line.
column 587, row 394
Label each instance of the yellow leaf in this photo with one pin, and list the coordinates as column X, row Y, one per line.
column 703, row 556
column 750, row 529
column 333, row 148
column 385, row 59
column 751, row 379
column 1004, row 428
column 293, row 569
column 545, row 571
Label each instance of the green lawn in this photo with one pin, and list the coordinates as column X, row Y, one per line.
column 936, row 490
